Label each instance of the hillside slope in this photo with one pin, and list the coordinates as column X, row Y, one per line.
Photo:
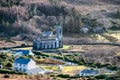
column 25, row 19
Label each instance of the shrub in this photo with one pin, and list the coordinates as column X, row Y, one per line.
column 63, row 76
column 6, row 76
column 101, row 77
column 111, row 78
column 23, row 45
column 114, row 68
column 52, row 75
column 4, row 71
column 66, row 76
column 58, row 57
column 9, row 64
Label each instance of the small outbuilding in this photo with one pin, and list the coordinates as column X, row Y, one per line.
column 85, row 29
column 88, row 72
column 19, row 53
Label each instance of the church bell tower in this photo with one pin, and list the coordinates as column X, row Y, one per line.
column 59, row 35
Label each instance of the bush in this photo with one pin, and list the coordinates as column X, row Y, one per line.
column 6, row 76
column 111, row 78
column 99, row 65
column 23, row 45
column 52, row 75
column 4, row 71
column 63, row 76
column 91, row 64
column 81, row 63
column 114, row 68
column 66, row 76
column 58, row 57
column 101, row 77
column 9, row 64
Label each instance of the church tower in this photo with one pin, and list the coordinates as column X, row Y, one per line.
column 59, row 35
column 59, row 32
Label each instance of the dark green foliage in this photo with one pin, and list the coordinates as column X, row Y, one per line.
column 101, row 77
column 63, row 76
column 58, row 57
column 66, row 76
column 91, row 64
column 6, row 60
column 99, row 65
column 4, row 71
column 111, row 78
column 116, row 25
column 23, row 45
column 41, row 54
column 6, row 76
column 39, row 57
column 112, row 67
column 9, row 64
column 52, row 75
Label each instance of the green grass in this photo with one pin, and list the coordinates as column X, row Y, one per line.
column 25, row 48
column 54, row 68
column 65, row 47
column 118, row 54
column 110, row 36
column 99, row 37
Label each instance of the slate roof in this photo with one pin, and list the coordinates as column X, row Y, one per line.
column 22, row 61
column 25, row 52
column 47, row 33
column 87, row 71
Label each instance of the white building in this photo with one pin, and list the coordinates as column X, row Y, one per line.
column 23, row 65
column 19, row 53
column 27, row 66
column 85, row 29
column 49, row 41
column 88, row 72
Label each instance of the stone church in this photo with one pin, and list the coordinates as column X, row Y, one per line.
column 49, row 41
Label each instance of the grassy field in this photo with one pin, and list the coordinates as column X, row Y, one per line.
column 115, row 34
column 99, row 38
column 48, row 61
column 65, row 47
column 72, row 69
column 110, row 36
column 25, row 48
column 118, row 54
column 55, row 68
